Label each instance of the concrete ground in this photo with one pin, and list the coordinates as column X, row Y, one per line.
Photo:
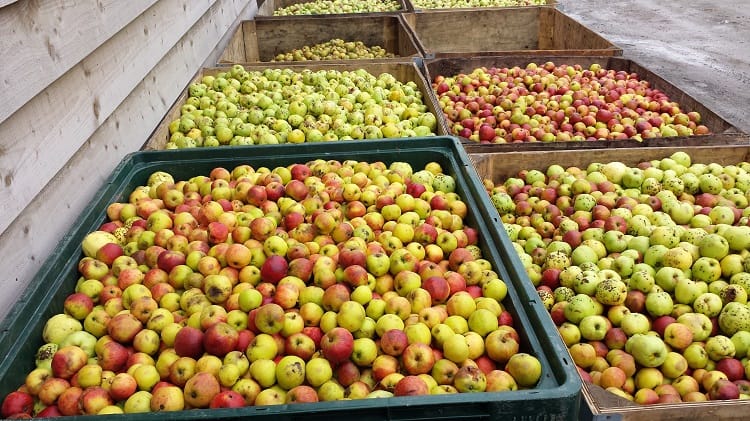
column 701, row 46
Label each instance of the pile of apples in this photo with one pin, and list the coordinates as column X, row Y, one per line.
column 326, row 7
column 317, row 281
column 272, row 106
column 556, row 103
column 335, row 49
column 645, row 270
column 451, row 4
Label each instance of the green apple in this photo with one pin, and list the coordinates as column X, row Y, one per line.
column 648, row 350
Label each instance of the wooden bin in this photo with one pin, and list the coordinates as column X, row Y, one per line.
column 722, row 132
column 261, row 40
column 512, row 30
column 267, row 7
column 598, row 403
column 413, row 6
column 403, row 71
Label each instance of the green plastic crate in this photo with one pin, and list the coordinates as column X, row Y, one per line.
column 556, row 397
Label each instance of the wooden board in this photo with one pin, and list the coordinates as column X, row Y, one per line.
column 715, row 123
column 51, row 40
column 403, row 71
column 511, row 30
column 502, row 165
column 262, row 40
column 75, row 105
column 412, row 6
column 267, row 7
column 34, row 234
column 731, row 410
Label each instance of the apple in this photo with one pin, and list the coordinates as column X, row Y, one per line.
column 337, row 345
column 418, row 358
column 525, row 369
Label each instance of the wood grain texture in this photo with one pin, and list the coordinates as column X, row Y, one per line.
column 500, row 166
column 510, row 30
column 262, row 40
column 39, row 138
column 33, row 235
column 53, row 36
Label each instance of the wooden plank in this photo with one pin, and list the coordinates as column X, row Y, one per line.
column 734, row 410
column 53, row 37
column 235, row 51
column 412, row 6
column 508, row 30
column 267, row 7
column 76, row 104
column 262, row 40
column 502, row 165
column 32, row 237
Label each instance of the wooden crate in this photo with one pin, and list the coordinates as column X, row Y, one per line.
column 413, row 6
column 403, row 71
column 598, row 404
column 512, row 30
column 502, row 165
column 262, row 40
column 722, row 131
column 267, row 7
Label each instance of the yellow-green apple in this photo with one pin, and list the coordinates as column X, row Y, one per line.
column 470, row 379
column 525, row 369
column 262, row 346
column 350, row 316
column 167, row 398
column 59, row 326
column 270, row 318
column 699, row 323
column 290, row 372
column 248, row 389
column 648, row 351
column 364, row 352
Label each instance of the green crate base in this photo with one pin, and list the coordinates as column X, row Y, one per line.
column 556, row 397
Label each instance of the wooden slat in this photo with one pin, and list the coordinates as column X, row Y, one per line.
column 500, row 166
column 507, row 30
column 269, row 6
column 262, row 40
column 50, row 37
column 604, row 408
column 76, row 104
column 33, row 236
column 235, row 51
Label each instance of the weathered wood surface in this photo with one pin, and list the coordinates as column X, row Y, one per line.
column 87, row 155
column 50, row 37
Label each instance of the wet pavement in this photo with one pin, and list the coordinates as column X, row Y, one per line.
column 701, row 46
